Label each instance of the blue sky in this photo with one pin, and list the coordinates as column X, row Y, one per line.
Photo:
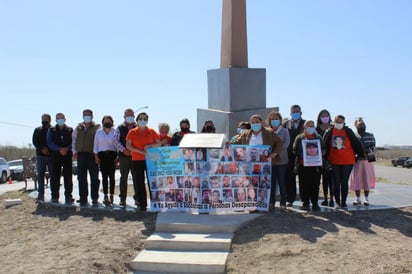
column 351, row 57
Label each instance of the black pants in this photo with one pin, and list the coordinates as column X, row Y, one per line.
column 126, row 166
column 107, row 168
column 291, row 181
column 309, row 178
column 140, row 169
column 59, row 162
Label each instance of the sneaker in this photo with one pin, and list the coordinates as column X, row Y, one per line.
column 331, row 204
column 366, row 203
column 357, row 202
column 55, row 200
column 324, row 203
column 289, row 204
column 344, row 206
column 95, row 202
column 122, row 203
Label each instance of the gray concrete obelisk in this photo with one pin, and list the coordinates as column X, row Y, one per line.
column 235, row 92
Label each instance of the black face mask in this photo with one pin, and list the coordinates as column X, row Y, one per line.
column 107, row 125
column 361, row 129
column 45, row 123
column 209, row 128
column 184, row 130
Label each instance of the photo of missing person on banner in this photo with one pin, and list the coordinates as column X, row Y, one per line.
column 312, row 152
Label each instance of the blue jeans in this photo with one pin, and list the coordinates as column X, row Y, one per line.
column 341, row 175
column 279, row 177
column 43, row 164
column 86, row 162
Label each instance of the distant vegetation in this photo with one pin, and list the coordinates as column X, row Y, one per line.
column 12, row 153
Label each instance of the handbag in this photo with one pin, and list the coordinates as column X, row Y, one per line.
column 371, row 155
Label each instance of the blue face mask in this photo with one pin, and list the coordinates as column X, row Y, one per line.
column 60, row 122
column 129, row 119
column 141, row 123
column 295, row 116
column 275, row 123
column 256, row 127
column 87, row 119
column 310, row 130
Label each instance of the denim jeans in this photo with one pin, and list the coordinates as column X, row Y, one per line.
column 86, row 162
column 43, row 164
column 341, row 175
column 279, row 177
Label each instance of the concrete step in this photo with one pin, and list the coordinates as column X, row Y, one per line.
column 189, row 242
column 176, row 222
column 179, row 262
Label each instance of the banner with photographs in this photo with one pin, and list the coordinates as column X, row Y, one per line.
column 235, row 178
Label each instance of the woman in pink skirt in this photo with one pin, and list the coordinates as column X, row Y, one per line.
column 363, row 173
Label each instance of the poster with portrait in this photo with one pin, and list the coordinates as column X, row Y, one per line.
column 312, row 153
column 209, row 179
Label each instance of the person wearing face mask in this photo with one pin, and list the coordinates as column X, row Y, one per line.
column 363, row 173
column 309, row 175
column 184, row 129
column 241, row 127
column 324, row 122
column 165, row 139
column 260, row 135
column 295, row 127
column 59, row 140
column 82, row 146
column 105, row 154
column 138, row 141
column 43, row 159
column 279, row 168
column 125, row 155
column 208, row 127
column 342, row 148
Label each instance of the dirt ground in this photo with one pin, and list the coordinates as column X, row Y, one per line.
column 40, row 239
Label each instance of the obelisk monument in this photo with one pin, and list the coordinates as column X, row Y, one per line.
column 235, row 92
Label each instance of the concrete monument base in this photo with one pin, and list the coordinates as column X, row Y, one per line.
column 234, row 94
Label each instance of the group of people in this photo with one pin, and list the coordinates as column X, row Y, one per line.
column 326, row 151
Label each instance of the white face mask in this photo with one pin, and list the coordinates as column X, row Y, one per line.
column 310, row 130
column 339, row 126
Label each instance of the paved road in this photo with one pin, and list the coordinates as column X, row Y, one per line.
column 395, row 175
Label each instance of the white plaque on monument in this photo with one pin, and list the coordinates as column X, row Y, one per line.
column 202, row 140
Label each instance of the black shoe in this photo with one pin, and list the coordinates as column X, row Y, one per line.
column 305, row 206
column 95, row 202
column 324, row 203
column 331, row 204
column 122, row 203
column 289, row 204
column 143, row 208
column 344, row 206
column 315, row 208
column 69, row 200
column 55, row 200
